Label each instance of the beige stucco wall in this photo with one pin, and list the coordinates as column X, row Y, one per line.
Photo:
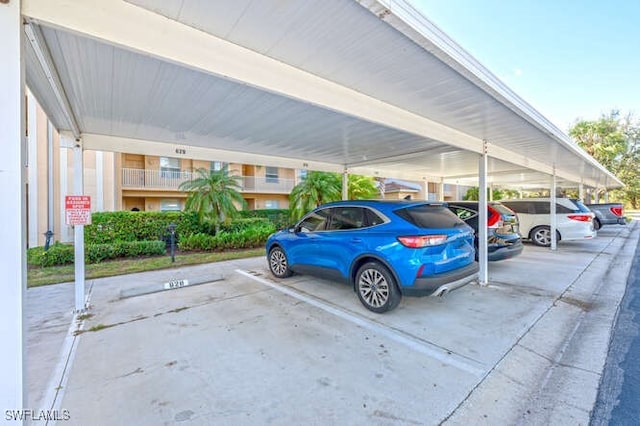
column 103, row 182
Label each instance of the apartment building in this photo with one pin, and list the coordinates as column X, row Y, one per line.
column 125, row 181
column 151, row 183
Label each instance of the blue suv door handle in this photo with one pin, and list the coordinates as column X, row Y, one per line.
column 356, row 240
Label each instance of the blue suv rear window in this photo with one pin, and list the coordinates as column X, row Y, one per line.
column 428, row 216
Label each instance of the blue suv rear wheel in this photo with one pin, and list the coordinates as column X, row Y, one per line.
column 376, row 288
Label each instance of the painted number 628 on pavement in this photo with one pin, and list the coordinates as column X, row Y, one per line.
column 176, row 284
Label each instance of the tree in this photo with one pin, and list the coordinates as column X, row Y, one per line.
column 604, row 139
column 614, row 141
column 213, row 195
column 316, row 189
column 361, row 188
column 323, row 187
column 498, row 194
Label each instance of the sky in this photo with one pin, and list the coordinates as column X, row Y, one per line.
column 568, row 59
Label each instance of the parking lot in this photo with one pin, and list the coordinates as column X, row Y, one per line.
column 250, row 349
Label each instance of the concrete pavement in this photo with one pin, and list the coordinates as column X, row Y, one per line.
column 249, row 349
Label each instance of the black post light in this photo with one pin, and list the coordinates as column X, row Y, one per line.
column 47, row 242
column 172, row 230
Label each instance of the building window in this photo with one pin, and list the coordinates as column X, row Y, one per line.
column 272, row 204
column 169, row 167
column 272, row 175
column 170, row 205
column 302, row 175
column 216, row 166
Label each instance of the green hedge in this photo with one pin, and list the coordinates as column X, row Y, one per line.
column 238, row 225
column 107, row 227
column 279, row 217
column 128, row 234
column 250, row 237
column 62, row 254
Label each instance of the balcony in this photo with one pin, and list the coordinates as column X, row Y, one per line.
column 171, row 180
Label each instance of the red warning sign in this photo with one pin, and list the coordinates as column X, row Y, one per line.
column 77, row 209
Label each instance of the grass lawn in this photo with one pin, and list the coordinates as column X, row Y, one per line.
column 59, row 274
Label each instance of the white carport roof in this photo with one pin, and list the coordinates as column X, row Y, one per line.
column 371, row 86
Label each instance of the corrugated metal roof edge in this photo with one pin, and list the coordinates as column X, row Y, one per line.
column 413, row 24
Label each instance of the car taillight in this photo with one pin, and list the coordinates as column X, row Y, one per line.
column 422, row 240
column 616, row 210
column 493, row 221
column 580, row 217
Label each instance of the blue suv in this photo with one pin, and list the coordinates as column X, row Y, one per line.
column 385, row 249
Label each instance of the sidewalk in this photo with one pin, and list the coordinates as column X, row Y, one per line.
column 248, row 349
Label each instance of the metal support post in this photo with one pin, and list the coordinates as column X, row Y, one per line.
column 78, row 234
column 552, row 209
column 345, row 184
column 483, row 275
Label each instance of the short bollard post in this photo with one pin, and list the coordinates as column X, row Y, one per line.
column 172, row 230
column 47, row 242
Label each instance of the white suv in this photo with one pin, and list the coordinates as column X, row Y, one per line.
column 574, row 221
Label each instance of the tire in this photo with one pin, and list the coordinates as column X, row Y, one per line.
column 376, row 288
column 278, row 263
column 596, row 224
column 541, row 236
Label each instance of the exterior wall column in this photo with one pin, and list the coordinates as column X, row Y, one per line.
column 32, row 168
column 65, row 235
column 13, row 233
column 99, row 203
column 425, row 189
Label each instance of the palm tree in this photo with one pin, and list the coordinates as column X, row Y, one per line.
column 323, row 187
column 213, row 194
column 362, row 188
column 316, row 189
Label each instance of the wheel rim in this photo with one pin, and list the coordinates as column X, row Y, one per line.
column 373, row 287
column 543, row 236
column 278, row 262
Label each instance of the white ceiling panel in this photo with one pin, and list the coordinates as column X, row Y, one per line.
column 371, row 86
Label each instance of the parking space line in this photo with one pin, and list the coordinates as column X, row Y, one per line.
column 460, row 362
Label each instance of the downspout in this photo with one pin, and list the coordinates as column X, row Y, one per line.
column 50, row 203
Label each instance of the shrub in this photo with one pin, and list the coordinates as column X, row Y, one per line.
column 279, row 217
column 198, row 242
column 249, row 237
column 58, row 254
column 108, row 227
column 239, row 225
column 62, row 254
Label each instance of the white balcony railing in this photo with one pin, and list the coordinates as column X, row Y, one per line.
column 171, row 180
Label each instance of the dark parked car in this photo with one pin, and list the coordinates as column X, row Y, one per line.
column 503, row 238
column 607, row 214
column 385, row 249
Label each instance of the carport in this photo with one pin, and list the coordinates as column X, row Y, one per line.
column 369, row 87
